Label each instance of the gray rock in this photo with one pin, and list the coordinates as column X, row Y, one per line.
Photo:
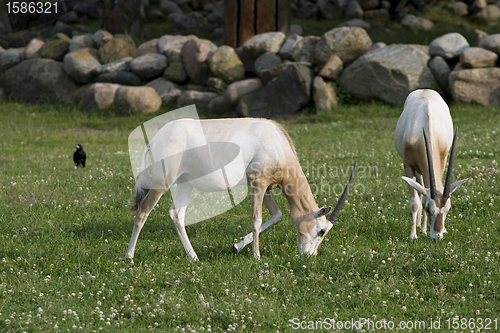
column 169, row 7
column 195, row 55
column 247, row 60
column 353, row 10
column 226, row 64
column 217, row 33
column 333, row 67
column 347, row 43
column 216, row 16
column 296, row 29
column 136, row 100
column 480, row 85
column 388, row 74
column 324, row 95
column 162, row 86
column 54, row 49
column 458, row 8
column 269, row 74
column 487, row 15
column 81, row 42
column 69, row 17
column 284, row 95
column 305, row 48
column 478, row 36
column 182, row 21
column 122, row 65
column 120, row 46
column 218, row 105
column 171, row 96
column 101, row 37
column 199, row 98
column 422, row 48
column 9, row 58
column 308, row 9
column 245, row 104
column 262, row 43
column 216, row 85
column 38, row 80
column 238, row 89
column 286, row 50
column 416, row 24
column 31, row 50
column 156, row 15
column 441, row 71
column 477, row 57
column 331, row 9
column 148, row 47
column 98, row 96
column 266, row 61
column 380, row 14
column 491, row 43
column 149, row 65
column 448, row 46
column 172, row 43
column 368, row 4
column 122, row 78
column 356, row 23
column 175, row 71
column 80, row 63
column 378, row 45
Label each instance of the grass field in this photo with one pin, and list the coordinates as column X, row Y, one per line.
column 64, row 234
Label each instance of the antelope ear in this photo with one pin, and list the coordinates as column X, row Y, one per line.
column 456, row 184
column 322, row 211
column 416, row 186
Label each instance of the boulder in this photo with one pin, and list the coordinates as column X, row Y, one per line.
column 388, row 74
column 98, row 96
column 416, row 24
column 422, row 48
column 149, row 65
column 169, row 7
column 307, row 9
column 356, row 23
column 331, row 9
column 195, row 55
column 226, row 64
column 380, row 14
column 480, row 85
column 286, row 50
column 171, row 96
column 182, row 22
column 175, row 72
column 487, row 15
column 102, row 37
column 199, row 98
column 245, row 104
column 305, row 48
column 296, row 29
column 136, row 100
column 54, row 49
column 122, row 65
column 147, row 47
column 81, row 42
column 332, row 69
column 353, row 10
column 118, row 47
column 80, row 63
column 238, row 89
column 269, row 74
column 477, row 36
column 347, row 43
column 491, row 43
column 378, row 45
column 218, row 105
column 77, row 95
column 216, row 85
column 284, row 95
column 247, row 60
column 266, row 61
column 121, row 78
column 172, row 43
column 10, row 58
column 38, row 80
column 31, row 50
column 441, row 71
column 448, row 46
column 458, row 8
column 324, row 95
column 368, row 4
column 262, row 43
column 162, row 86
column 477, row 57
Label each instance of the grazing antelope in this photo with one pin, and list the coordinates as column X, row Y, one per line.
column 268, row 160
column 424, row 134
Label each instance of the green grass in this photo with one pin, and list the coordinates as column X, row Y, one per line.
column 64, row 233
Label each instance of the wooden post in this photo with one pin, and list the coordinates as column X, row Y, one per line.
column 245, row 18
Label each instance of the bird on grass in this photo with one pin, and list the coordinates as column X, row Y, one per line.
column 79, row 156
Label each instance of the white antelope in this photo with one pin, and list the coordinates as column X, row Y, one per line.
column 269, row 160
column 424, row 134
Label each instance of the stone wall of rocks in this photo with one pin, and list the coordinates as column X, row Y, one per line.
column 271, row 75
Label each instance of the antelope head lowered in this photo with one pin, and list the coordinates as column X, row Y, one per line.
column 268, row 160
column 423, row 138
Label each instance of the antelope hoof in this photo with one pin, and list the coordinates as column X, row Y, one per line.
column 235, row 249
column 413, row 236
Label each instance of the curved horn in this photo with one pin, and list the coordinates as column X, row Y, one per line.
column 343, row 197
column 449, row 173
column 432, row 180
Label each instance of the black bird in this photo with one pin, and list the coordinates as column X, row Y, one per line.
column 79, row 156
